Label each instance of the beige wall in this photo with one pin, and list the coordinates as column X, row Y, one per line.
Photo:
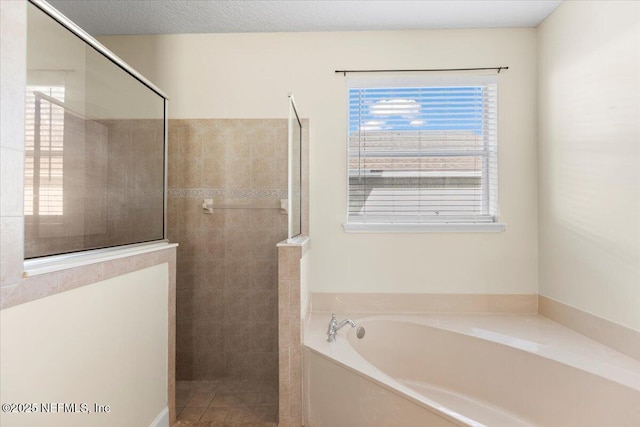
column 589, row 158
column 101, row 343
column 249, row 75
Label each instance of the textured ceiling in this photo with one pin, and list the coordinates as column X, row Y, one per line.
column 102, row 17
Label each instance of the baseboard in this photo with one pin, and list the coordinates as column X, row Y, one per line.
column 618, row 337
column 162, row 420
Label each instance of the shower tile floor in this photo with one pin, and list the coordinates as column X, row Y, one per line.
column 226, row 402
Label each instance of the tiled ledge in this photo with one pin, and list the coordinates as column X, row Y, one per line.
column 423, row 303
column 59, row 280
column 618, row 337
column 302, row 242
column 613, row 335
column 64, row 262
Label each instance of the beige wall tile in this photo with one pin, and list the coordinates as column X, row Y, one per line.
column 190, row 213
column 284, row 332
column 209, row 365
column 240, row 218
column 263, row 306
column 76, row 277
column 190, row 170
column 11, row 250
column 214, row 243
column 190, row 147
column 117, row 267
column 264, row 337
column 216, row 219
column 244, row 240
column 238, row 173
column 11, row 180
column 264, row 244
column 263, row 172
column 238, row 243
column 173, row 211
column 237, row 336
column 38, row 287
column 12, row 73
column 263, row 144
column 620, row 338
column 214, row 174
column 175, row 135
column 381, row 303
column 174, row 179
column 238, row 276
column 236, row 305
column 264, row 274
column 238, row 143
column 213, row 144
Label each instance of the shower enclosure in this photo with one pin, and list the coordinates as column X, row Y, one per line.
column 94, row 144
column 234, row 194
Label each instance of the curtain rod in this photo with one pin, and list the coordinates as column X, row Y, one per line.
column 344, row 72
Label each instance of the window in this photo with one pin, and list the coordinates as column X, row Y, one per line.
column 422, row 155
column 44, row 136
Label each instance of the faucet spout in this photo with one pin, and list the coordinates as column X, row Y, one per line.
column 344, row 322
column 334, row 327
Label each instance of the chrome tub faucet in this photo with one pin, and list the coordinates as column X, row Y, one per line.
column 334, row 327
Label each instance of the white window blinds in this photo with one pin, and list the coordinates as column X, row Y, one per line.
column 44, row 137
column 422, row 153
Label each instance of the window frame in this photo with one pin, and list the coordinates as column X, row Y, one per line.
column 405, row 224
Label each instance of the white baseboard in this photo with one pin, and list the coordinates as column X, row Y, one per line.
column 162, row 420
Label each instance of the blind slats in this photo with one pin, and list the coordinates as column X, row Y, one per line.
column 49, row 192
column 422, row 154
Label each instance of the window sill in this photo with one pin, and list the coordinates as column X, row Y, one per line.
column 36, row 267
column 494, row 227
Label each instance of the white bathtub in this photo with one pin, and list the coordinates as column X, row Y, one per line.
column 469, row 370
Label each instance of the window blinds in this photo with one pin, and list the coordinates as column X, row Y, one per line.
column 44, row 135
column 422, row 153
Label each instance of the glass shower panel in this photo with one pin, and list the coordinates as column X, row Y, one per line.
column 94, row 147
column 294, row 173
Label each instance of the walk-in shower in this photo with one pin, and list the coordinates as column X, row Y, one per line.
column 234, row 194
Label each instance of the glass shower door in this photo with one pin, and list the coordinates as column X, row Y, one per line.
column 294, row 171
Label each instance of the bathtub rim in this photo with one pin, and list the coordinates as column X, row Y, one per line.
column 555, row 348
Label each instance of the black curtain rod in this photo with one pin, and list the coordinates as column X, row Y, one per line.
column 344, row 72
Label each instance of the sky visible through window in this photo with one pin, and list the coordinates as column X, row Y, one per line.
column 414, row 109
column 421, row 154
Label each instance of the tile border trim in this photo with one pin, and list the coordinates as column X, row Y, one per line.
column 47, row 284
column 231, row 192
column 423, row 303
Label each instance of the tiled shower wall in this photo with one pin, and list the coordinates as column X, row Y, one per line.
column 114, row 200
column 227, row 268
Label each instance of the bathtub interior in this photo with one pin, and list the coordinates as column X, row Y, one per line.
column 511, row 370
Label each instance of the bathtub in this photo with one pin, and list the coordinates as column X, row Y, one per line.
column 465, row 370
